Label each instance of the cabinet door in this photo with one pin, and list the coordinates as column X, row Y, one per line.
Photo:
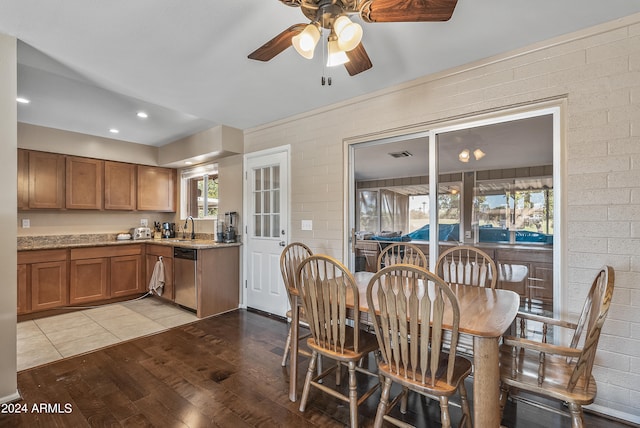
column 151, row 260
column 541, row 284
column 126, row 275
column 119, row 186
column 48, row 285
column 84, row 183
column 88, row 280
column 46, row 180
column 514, row 277
column 23, row 179
column 24, row 304
column 156, row 189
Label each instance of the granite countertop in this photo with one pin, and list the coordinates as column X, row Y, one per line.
column 50, row 242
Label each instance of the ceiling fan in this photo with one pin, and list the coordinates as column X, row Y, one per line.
column 344, row 41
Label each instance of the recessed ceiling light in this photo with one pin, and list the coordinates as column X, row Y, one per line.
column 114, row 131
column 22, row 100
column 142, row 115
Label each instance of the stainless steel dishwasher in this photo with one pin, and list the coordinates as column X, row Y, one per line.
column 184, row 270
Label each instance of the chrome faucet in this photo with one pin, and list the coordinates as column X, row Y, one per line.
column 193, row 227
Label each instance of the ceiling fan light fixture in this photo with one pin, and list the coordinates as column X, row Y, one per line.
column 478, row 154
column 463, row 156
column 349, row 33
column 305, row 42
column 336, row 56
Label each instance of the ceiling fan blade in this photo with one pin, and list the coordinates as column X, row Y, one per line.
column 276, row 45
column 358, row 60
column 407, row 10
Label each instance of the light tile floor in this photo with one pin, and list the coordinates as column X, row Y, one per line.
column 48, row 339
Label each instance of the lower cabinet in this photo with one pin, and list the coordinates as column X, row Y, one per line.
column 99, row 273
column 89, row 280
column 24, row 291
column 126, row 275
column 42, row 280
column 153, row 255
column 537, row 289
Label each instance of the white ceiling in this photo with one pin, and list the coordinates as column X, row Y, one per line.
column 89, row 66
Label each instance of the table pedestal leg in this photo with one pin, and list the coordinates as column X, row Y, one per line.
column 486, row 382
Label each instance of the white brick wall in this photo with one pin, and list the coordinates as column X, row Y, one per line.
column 599, row 75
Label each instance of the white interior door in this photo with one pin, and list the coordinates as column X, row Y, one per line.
column 267, row 191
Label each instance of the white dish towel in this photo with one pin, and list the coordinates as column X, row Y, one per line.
column 156, row 284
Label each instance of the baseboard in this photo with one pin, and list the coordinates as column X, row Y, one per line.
column 11, row 398
column 607, row 412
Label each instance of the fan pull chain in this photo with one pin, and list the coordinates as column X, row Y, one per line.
column 324, row 59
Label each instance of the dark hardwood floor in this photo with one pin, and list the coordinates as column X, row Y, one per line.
column 222, row 371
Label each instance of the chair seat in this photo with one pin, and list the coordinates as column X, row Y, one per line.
column 461, row 370
column 556, row 376
column 368, row 343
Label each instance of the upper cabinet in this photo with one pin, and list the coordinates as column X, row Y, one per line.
column 119, row 186
column 156, row 189
column 23, row 179
column 84, row 183
column 46, row 178
column 55, row 181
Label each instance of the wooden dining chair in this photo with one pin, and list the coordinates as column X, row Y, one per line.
column 402, row 299
column 291, row 257
column 467, row 265
column 326, row 286
column 401, row 252
column 553, row 371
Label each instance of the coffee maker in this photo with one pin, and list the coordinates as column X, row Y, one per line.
column 230, row 223
column 168, row 230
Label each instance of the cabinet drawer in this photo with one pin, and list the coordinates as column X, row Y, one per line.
column 159, row 250
column 532, row 256
column 112, row 251
column 41, row 256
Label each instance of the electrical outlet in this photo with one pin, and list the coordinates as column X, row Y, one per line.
column 307, row 225
column 144, row 222
column 26, row 223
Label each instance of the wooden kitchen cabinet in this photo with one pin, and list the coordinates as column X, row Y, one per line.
column 538, row 286
column 367, row 255
column 126, row 275
column 119, row 267
column 42, row 278
column 153, row 253
column 55, row 181
column 23, row 179
column 24, row 292
column 541, row 284
column 218, row 279
column 88, row 280
column 156, row 189
column 84, row 178
column 119, row 186
column 46, row 179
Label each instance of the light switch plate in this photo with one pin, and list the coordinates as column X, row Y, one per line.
column 307, row 225
column 467, row 234
column 26, row 223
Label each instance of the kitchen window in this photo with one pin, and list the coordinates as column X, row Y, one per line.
column 200, row 192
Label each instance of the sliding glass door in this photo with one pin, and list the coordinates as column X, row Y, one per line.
column 492, row 182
